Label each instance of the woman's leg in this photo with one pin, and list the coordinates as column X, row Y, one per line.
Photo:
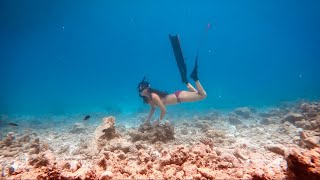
column 200, row 89
column 195, row 94
column 191, row 88
column 187, row 96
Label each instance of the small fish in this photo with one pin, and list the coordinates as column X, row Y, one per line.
column 13, row 124
column 86, row 118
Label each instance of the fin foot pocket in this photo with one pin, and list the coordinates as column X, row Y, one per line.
column 194, row 74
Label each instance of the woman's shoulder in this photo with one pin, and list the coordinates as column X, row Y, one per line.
column 150, row 102
column 154, row 95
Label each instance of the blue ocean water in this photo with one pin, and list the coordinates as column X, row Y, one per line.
column 62, row 57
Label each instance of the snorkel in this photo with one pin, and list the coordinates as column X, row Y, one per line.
column 143, row 85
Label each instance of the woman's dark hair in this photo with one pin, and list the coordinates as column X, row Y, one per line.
column 161, row 94
column 146, row 85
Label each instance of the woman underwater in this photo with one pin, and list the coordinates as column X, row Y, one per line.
column 158, row 98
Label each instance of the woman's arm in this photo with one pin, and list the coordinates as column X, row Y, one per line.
column 156, row 99
column 151, row 113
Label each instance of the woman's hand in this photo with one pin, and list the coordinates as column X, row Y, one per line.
column 156, row 122
column 151, row 113
column 156, row 99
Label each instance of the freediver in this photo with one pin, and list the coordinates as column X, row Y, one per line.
column 156, row 98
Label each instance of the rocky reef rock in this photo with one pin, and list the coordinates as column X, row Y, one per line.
column 35, row 147
column 8, row 141
column 153, row 133
column 269, row 120
column 310, row 109
column 241, row 115
column 42, row 159
column 234, row 120
column 274, row 112
column 70, row 166
column 244, row 112
column 11, row 146
column 204, row 125
column 212, row 116
column 78, row 128
column 106, row 175
column 277, row 148
column 119, row 144
column 304, row 164
column 105, row 132
column 293, row 117
column 310, row 139
column 311, row 113
column 307, row 118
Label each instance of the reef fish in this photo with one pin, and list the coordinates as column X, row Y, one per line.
column 13, row 124
column 86, row 118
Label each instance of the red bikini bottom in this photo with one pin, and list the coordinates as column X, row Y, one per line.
column 177, row 93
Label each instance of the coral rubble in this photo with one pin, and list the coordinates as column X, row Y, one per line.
column 282, row 143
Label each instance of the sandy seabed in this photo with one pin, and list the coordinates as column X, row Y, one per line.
column 278, row 143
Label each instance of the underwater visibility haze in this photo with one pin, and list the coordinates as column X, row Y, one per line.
column 66, row 56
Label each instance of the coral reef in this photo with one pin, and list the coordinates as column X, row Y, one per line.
column 274, row 144
column 153, row 133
